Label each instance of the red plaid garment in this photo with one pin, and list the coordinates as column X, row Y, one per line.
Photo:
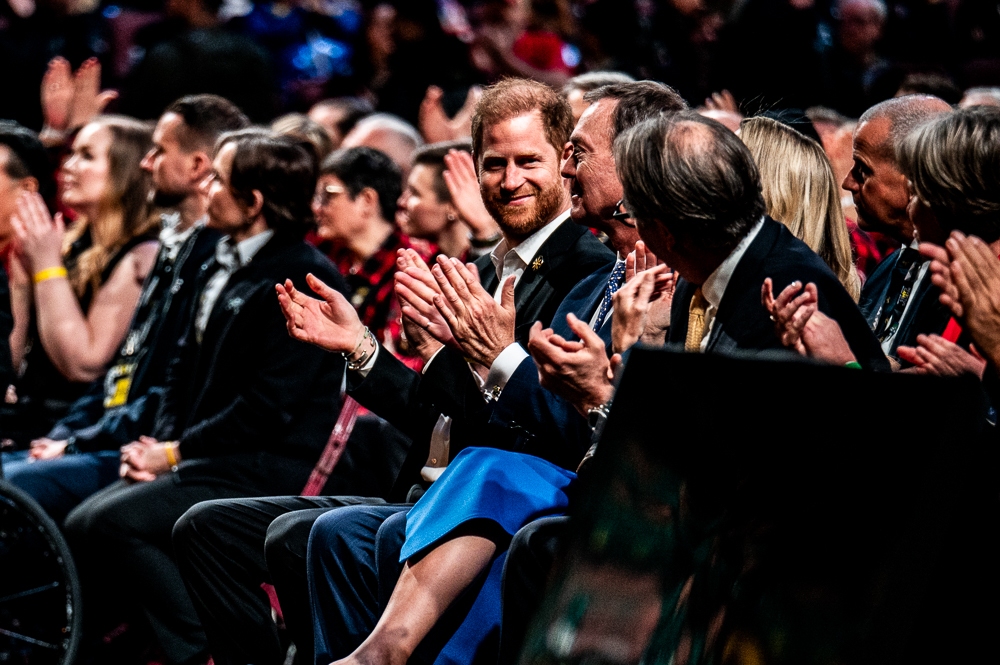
column 869, row 249
column 371, row 288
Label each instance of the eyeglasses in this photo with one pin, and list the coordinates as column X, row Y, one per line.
column 329, row 193
column 621, row 214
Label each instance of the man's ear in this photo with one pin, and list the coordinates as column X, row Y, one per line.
column 256, row 205
column 29, row 184
column 567, row 151
column 201, row 166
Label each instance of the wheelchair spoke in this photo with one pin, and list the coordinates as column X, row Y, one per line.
column 29, row 592
column 29, row 640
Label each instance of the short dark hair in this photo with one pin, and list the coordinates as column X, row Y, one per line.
column 282, row 169
column 28, row 159
column 433, row 155
column 593, row 80
column 363, row 167
column 692, row 175
column 637, row 101
column 512, row 97
column 206, row 118
column 953, row 162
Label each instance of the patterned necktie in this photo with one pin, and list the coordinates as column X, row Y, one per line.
column 904, row 276
column 614, row 283
column 696, row 321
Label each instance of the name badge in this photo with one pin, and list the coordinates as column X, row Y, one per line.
column 117, row 383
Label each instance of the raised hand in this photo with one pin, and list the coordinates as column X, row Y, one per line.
column 88, row 99
column 463, row 186
column 39, row 236
column 330, row 323
column 936, row 355
column 416, row 288
column 790, row 311
column 940, row 269
column 633, row 303
column 57, row 94
column 578, row 371
column 481, row 326
column 975, row 271
column 434, row 123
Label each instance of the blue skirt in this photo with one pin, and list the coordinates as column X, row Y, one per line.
column 511, row 489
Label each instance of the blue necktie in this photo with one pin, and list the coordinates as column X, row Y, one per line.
column 614, row 283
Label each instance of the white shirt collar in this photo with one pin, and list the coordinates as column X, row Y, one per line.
column 244, row 250
column 715, row 286
column 526, row 250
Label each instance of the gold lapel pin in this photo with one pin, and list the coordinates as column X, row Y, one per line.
column 537, row 263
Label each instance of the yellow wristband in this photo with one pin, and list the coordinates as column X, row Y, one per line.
column 50, row 273
column 171, row 455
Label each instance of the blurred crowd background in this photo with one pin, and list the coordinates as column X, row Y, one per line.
column 284, row 56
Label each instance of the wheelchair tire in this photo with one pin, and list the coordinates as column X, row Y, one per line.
column 40, row 621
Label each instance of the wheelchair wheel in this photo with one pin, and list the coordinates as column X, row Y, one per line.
column 40, row 621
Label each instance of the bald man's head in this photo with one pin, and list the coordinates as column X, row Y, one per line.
column 389, row 134
column 879, row 188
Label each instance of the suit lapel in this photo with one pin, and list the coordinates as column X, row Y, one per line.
column 748, row 266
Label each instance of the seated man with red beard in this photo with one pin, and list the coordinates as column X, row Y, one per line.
column 519, row 132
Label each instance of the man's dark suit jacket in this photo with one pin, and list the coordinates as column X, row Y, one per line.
column 249, row 389
column 7, row 374
column 543, row 423
column 924, row 316
column 163, row 313
column 413, row 402
column 742, row 324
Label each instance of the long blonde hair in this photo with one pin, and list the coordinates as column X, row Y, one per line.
column 126, row 212
column 800, row 191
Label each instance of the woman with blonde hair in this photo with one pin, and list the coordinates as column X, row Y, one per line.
column 84, row 282
column 800, row 191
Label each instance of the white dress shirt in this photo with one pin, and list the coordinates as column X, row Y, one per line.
column 230, row 258
column 715, row 286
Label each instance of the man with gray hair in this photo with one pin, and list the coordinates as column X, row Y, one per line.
column 389, row 134
column 881, row 195
column 694, row 192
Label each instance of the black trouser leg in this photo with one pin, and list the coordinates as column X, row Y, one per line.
column 131, row 525
column 530, row 558
column 221, row 548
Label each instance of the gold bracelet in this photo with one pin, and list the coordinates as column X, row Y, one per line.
column 50, row 273
column 171, row 456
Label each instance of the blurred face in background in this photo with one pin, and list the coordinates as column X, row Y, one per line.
column 175, row 175
column 86, row 173
column 225, row 213
column 338, row 215
column 425, row 215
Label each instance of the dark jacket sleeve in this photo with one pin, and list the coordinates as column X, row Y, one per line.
column 7, row 374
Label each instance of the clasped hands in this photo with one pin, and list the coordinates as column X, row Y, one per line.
column 147, row 458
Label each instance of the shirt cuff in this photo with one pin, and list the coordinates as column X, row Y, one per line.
column 503, row 368
column 367, row 367
column 423, row 370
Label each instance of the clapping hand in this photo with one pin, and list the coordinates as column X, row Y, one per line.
column 69, row 100
column 422, row 322
column 481, row 326
column 39, row 236
column 578, row 371
column 331, row 323
column 801, row 326
column 642, row 305
column 936, row 355
column 463, row 186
